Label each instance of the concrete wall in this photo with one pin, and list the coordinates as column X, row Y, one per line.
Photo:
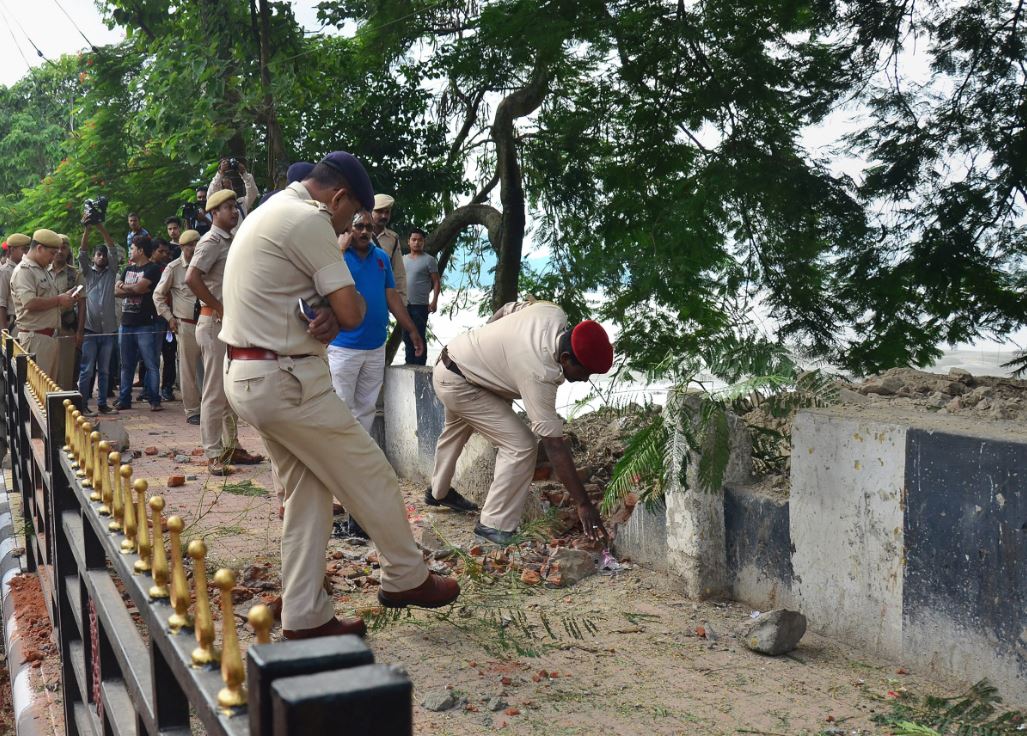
column 413, row 423
column 846, row 525
column 910, row 537
column 759, row 555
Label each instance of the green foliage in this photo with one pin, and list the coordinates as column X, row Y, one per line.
column 642, row 467
column 974, row 713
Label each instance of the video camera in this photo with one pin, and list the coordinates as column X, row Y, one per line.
column 189, row 213
column 94, row 211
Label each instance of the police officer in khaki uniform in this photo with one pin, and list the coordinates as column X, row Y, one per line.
column 205, row 277
column 388, row 240
column 278, row 381
column 174, row 301
column 16, row 245
column 73, row 320
column 525, row 352
column 37, row 303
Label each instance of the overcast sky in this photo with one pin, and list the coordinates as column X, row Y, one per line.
column 57, row 27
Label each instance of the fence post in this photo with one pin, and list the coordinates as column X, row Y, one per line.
column 371, row 700
column 266, row 663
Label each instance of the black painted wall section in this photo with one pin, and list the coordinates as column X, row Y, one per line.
column 966, row 536
column 757, row 534
column 430, row 413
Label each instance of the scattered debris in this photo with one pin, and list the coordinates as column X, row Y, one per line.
column 151, row 451
column 182, row 458
column 569, row 566
column 496, row 704
column 775, row 632
column 176, row 480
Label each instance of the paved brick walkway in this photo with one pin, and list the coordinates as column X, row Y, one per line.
column 237, row 514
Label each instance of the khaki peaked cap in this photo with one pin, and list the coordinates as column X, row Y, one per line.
column 47, row 237
column 219, row 198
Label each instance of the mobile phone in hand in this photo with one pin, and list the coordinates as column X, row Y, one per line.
column 76, row 291
column 307, row 312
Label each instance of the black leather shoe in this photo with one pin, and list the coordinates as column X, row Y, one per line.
column 453, row 500
column 355, row 530
column 494, row 535
column 194, row 419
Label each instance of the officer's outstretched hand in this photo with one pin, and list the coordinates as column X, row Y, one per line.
column 324, row 327
column 592, row 523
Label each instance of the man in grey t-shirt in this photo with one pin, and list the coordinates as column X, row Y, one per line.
column 423, row 287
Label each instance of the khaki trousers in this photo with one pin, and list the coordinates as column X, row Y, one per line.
column 188, row 357
column 46, row 349
column 66, row 377
column 471, row 409
column 320, row 451
column 217, row 420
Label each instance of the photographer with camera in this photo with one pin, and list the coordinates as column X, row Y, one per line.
column 99, row 273
column 232, row 175
column 195, row 213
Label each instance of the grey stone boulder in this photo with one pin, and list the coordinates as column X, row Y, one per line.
column 438, row 700
column 115, row 433
column 574, row 565
column 774, row 632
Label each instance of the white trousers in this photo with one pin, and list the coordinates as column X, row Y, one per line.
column 357, row 377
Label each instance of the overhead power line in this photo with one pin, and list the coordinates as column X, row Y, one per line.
column 80, row 32
column 11, row 16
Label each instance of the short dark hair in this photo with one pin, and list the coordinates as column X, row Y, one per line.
column 144, row 243
column 131, row 215
column 564, row 346
column 173, row 220
column 328, row 176
column 160, row 242
column 418, row 231
column 101, row 250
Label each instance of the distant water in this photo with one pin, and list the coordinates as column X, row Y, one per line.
column 574, row 399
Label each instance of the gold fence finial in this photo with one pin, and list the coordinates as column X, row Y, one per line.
column 233, row 694
column 102, row 461
column 128, row 544
column 159, row 560
column 204, row 653
column 180, row 619
column 68, row 407
column 94, row 466
column 80, row 444
column 75, row 416
column 117, row 499
column 142, row 528
column 87, row 456
column 261, row 619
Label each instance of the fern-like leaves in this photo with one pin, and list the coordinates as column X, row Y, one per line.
column 642, row 467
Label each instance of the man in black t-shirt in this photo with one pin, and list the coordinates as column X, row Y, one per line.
column 138, row 337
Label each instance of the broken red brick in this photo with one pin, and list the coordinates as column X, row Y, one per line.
column 176, row 480
column 530, row 577
column 196, row 452
column 151, row 450
column 512, row 711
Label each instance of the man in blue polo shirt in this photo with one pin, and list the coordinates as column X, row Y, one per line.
column 357, row 357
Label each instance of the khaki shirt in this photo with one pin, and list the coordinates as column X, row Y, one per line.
column 388, row 241
column 209, row 259
column 29, row 281
column 286, row 250
column 173, row 298
column 516, row 357
column 5, row 286
column 65, row 279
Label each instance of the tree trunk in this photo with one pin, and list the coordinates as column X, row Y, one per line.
column 275, row 141
column 510, row 243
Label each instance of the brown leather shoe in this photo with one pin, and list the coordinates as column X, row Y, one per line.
column 276, row 608
column 334, row 627
column 435, row 592
column 337, row 508
column 217, row 467
column 239, row 456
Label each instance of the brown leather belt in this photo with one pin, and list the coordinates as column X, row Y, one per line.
column 183, row 319
column 49, row 331
column 206, row 311
column 235, row 353
column 448, row 362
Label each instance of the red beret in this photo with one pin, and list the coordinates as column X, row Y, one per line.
column 4, row 246
column 591, row 346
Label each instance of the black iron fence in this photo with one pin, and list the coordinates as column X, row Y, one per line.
column 138, row 642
